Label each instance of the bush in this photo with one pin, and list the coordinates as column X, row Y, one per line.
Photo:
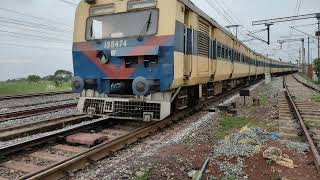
column 316, row 67
column 33, row 78
column 60, row 77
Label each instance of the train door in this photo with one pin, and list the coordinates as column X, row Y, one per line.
column 188, row 43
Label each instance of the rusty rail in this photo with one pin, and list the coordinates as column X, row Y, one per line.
column 306, row 85
column 305, row 130
column 21, row 96
column 26, row 113
column 40, row 126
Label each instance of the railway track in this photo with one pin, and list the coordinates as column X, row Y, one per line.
column 21, row 96
column 299, row 118
column 6, row 116
column 29, row 129
column 60, row 165
column 316, row 89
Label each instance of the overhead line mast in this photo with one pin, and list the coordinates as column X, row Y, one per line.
column 269, row 22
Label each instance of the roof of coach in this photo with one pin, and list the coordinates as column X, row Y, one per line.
column 193, row 7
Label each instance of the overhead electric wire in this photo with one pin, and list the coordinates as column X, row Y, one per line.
column 68, row 2
column 41, row 32
column 37, row 47
column 34, row 24
column 35, row 17
column 303, row 32
column 26, row 25
column 29, row 36
column 303, row 25
column 216, row 8
column 229, row 13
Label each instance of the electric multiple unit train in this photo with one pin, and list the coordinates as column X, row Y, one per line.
column 145, row 59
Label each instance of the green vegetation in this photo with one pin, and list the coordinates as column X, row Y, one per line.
column 316, row 67
column 229, row 124
column 269, row 162
column 60, row 81
column 264, row 100
column 231, row 177
column 316, row 98
column 25, row 87
column 146, row 176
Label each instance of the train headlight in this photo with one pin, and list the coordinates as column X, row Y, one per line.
column 77, row 84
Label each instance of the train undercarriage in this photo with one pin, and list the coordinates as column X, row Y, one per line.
column 158, row 105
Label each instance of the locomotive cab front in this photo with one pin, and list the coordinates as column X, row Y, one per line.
column 123, row 58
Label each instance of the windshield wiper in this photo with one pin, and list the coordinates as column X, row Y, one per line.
column 146, row 28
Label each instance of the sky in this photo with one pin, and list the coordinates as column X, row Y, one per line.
column 36, row 35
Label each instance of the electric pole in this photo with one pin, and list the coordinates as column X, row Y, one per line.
column 318, row 34
column 236, row 26
column 308, row 50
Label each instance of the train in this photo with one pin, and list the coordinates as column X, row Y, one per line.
column 146, row 59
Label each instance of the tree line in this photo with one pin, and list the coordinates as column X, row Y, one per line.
column 58, row 78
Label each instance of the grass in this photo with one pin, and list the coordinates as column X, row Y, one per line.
column 229, row 124
column 146, row 176
column 264, row 100
column 310, row 80
column 316, row 98
column 24, row 87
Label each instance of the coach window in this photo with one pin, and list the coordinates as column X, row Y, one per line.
column 219, row 50
column 222, row 51
column 227, row 53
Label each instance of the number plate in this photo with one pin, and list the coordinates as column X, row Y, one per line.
column 115, row 44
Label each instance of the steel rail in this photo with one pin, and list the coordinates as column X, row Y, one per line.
column 18, row 114
column 21, row 96
column 306, row 85
column 7, row 150
column 61, row 169
column 41, row 126
column 305, row 130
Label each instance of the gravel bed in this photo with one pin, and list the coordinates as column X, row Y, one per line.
column 59, row 152
column 122, row 164
column 35, row 136
column 299, row 147
column 299, row 91
column 233, row 169
column 32, row 160
column 10, row 174
column 13, row 103
column 39, row 118
column 43, row 105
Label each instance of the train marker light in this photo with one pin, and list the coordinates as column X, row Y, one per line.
column 90, row 1
column 99, row 10
column 140, row 4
